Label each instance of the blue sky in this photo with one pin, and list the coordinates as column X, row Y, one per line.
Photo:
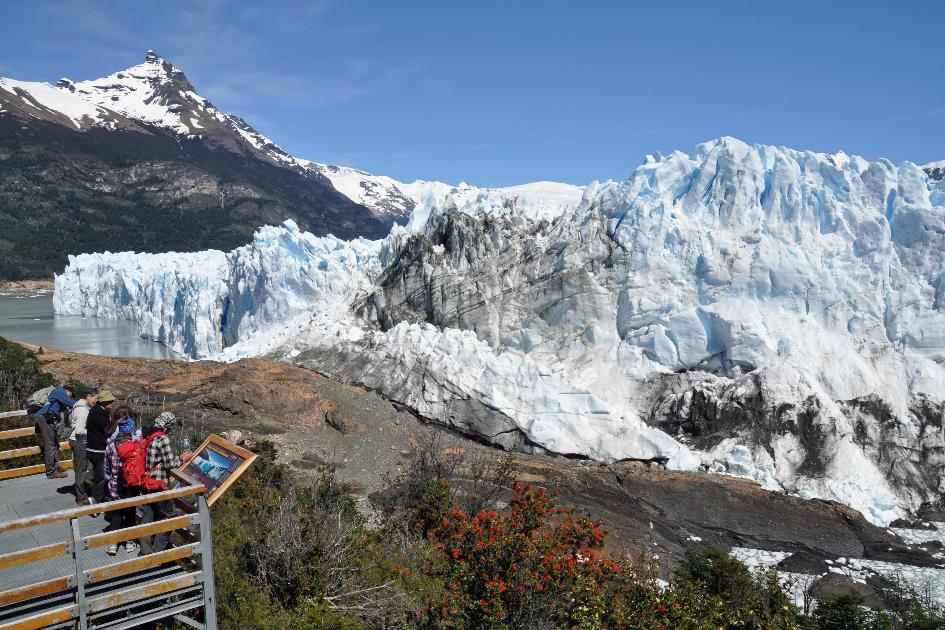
column 497, row 93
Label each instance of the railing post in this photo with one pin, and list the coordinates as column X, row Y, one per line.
column 79, row 564
column 206, row 564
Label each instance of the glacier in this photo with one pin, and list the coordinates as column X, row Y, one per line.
column 749, row 310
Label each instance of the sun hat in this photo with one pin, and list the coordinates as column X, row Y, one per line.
column 105, row 396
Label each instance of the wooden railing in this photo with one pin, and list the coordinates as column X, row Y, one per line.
column 26, row 451
column 100, row 597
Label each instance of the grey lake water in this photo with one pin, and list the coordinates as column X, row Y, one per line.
column 29, row 318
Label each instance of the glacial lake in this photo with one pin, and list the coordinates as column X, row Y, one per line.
column 30, row 319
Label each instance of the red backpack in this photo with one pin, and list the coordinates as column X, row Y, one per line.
column 133, row 456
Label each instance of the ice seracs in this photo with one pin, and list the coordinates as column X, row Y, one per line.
column 935, row 171
column 753, row 310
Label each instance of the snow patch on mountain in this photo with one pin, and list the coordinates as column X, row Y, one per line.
column 398, row 199
column 154, row 92
column 380, row 193
column 48, row 100
column 779, row 312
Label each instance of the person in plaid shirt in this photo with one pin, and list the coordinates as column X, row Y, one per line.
column 160, row 459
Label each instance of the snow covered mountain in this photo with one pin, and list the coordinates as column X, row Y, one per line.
column 753, row 310
column 140, row 158
column 156, row 94
column 141, row 152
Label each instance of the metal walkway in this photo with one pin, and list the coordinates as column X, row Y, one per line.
column 55, row 571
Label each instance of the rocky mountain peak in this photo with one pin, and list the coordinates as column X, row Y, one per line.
column 66, row 84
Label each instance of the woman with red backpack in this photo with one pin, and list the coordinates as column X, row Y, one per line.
column 122, row 442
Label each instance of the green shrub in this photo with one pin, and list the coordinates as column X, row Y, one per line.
column 846, row 612
column 534, row 565
column 20, row 374
column 911, row 608
column 749, row 600
column 298, row 556
column 302, row 555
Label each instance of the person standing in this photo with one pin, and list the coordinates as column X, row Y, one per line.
column 77, row 442
column 160, row 460
column 117, row 488
column 99, row 428
column 46, row 420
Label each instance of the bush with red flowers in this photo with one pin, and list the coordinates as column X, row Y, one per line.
column 532, row 563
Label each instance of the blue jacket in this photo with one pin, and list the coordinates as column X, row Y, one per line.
column 57, row 399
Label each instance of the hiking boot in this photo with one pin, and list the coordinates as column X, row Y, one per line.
column 113, row 549
column 59, row 474
column 132, row 547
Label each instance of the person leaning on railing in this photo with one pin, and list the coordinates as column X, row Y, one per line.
column 159, row 462
column 46, row 420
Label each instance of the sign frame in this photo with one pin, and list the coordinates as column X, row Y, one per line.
column 214, row 442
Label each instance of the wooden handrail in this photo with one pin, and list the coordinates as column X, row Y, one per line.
column 35, row 554
column 13, row 414
column 137, row 531
column 16, row 433
column 29, row 450
column 115, row 569
column 98, row 508
column 142, row 592
column 42, row 620
column 23, row 593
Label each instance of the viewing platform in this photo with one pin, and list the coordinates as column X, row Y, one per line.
column 55, row 571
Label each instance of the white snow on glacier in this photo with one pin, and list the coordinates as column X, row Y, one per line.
column 821, row 276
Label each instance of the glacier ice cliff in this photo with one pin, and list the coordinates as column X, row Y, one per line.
column 752, row 310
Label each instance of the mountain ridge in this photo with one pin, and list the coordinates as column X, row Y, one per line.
column 73, row 153
column 76, row 176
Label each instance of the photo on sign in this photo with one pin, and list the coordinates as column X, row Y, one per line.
column 213, row 464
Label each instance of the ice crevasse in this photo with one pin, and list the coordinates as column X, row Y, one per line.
column 753, row 310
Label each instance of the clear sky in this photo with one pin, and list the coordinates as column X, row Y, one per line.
column 498, row 93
